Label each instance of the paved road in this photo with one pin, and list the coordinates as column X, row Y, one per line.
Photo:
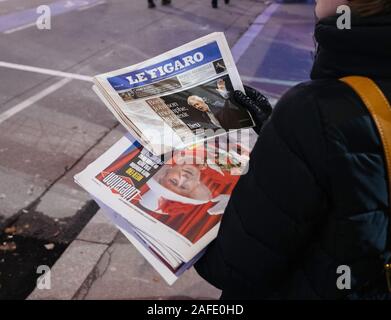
column 282, row 53
column 51, row 123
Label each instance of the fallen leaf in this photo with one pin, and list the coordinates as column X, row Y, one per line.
column 10, row 230
column 49, row 246
column 8, row 246
column 56, row 234
column 30, row 191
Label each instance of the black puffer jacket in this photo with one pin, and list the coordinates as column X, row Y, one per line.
column 316, row 194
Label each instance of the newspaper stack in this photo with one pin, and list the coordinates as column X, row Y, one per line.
column 166, row 183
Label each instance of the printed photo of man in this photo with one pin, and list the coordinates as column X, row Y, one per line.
column 188, row 197
column 185, row 180
column 207, row 115
column 221, row 112
column 209, row 106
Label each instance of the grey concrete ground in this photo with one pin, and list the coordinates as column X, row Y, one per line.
column 102, row 264
column 56, row 136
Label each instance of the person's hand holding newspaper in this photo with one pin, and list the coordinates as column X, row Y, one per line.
column 256, row 103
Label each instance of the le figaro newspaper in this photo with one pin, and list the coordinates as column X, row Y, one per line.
column 168, row 101
column 164, row 189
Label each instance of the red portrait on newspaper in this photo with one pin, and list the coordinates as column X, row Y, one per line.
column 187, row 193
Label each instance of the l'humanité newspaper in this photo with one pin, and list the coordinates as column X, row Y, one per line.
column 172, row 205
column 168, row 101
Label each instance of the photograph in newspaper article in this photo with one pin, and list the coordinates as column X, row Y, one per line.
column 207, row 106
column 187, row 193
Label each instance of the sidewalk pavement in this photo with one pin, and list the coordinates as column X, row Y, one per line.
column 102, row 264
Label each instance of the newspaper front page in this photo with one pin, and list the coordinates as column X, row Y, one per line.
column 168, row 101
column 177, row 200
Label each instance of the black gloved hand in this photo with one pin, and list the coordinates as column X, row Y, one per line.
column 256, row 103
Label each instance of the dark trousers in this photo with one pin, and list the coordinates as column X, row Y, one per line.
column 214, row 3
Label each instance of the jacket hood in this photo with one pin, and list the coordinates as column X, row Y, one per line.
column 364, row 50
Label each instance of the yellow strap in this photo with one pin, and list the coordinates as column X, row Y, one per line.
column 380, row 109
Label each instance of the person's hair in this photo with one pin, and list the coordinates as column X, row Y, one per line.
column 194, row 98
column 370, row 7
